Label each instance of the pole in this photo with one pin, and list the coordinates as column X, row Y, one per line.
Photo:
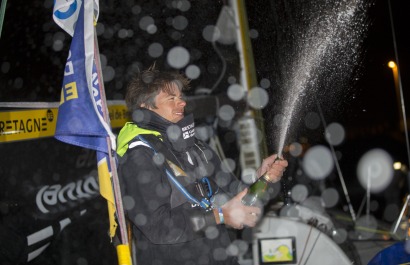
column 339, row 171
column 399, row 90
column 395, row 72
column 123, row 250
column 403, row 108
column 248, row 72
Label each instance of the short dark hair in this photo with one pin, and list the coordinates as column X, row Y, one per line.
column 146, row 85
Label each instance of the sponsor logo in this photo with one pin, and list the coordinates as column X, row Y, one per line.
column 188, row 131
column 33, row 124
column 66, row 13
column 54, row 195
column 21, row 125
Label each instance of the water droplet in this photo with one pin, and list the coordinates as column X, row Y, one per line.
column 211, row 232
column 108, row 73
column 145, row 22
column 295, row 149
column 192, row 71
column 335, row 133
column 318, row 162
column 219, row 254
column 366, row 226
column 178, row 57
column 330, row 197
column 265, row 83
column 339, row 235
column 151, row 29
column 174, row 132
column 253, row 33
column 5, row 67
column 391, row 212
column 128, row 202
column 155, row 50
column 258, row 98
column 312, row 120
column 299, row 193
column 180, row 22
column 375, row 170
column 140, row 219
column 183, row 5
column 203, row 133
column 211, row 33
column 226, row 112
column 236, row 92
column 58, row 45
column 18, row 83
column 228, row 165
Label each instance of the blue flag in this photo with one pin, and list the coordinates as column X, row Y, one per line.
column 82, row 115
column 397, row 253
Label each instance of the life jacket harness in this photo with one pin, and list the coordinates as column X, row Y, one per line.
column 203, row 185
column 131, row 136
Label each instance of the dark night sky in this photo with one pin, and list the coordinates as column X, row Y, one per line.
column 34, row 68
column 375, row 99
column 370, row 116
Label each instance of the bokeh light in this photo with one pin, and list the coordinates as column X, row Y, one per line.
column 366, row 227
column 312, row 120
column 155, row 50
column 375, row 170
column 178, row 57
column 299, row 193
column 211, row 33
column 258, row 98
column 236, row 92
column 192, row 71
column 145, row 22
column 318, row 162
column 330, row 197
column 295, row 149
column 335, row 133
column 226, row 112
column 180, row 22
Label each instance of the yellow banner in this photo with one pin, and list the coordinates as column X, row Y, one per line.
column 27, row 124
column 20, row 125
column 119, row 115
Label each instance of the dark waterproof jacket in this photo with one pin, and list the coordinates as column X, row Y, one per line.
column 169, row 228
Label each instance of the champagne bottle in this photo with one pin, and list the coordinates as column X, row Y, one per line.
column 257, row 191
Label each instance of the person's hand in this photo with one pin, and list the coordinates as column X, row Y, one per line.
column 273, row 168
column 237, row 215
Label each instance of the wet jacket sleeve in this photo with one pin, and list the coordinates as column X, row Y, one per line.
column 146, row 194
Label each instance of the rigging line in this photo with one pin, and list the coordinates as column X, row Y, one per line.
column 339, row 171
column 220, row 56
column 400, row 86
column 314, row 244
column 362, row 204
column 223, row 66
column 403, row 110
column 307, row 239
column 2, row 14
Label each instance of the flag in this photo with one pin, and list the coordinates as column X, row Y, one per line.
column 82, row 114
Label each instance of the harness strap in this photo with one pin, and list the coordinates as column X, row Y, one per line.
column 204, row 203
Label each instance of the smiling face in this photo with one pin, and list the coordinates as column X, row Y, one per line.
column 169, row 104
